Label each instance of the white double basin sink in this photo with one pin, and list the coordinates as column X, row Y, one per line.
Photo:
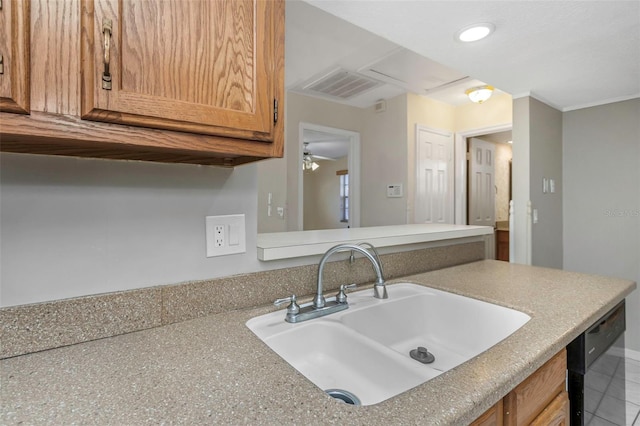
column 365, row 349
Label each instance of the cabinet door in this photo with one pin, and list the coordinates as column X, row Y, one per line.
column 524, row 403
column 556, row 413
column 491, row 417
column 200, row 66
column 502, row 245
column 14, row 56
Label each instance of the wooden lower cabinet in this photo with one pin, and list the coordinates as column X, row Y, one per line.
column 502, row 245
column 541, row 399
column 491, row 417
column 556, row 413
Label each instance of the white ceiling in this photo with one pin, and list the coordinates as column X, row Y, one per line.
column 569, row 54
column 498, row 137
column 318, row 43
column 326, row 144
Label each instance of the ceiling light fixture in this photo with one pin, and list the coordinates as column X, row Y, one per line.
column 479, row 94
column 309, row 159
column 309, row 164
column 475, row 32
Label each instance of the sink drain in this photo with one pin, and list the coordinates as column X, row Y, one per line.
column 344, row 396
column 422, row 354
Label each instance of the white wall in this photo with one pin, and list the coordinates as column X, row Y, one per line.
column 71, row 227
column 384, row 161
column 537, row 152
column 272, row 178
column 498, row 110
column 601, row 168
column 545, row 145
column 520, row 179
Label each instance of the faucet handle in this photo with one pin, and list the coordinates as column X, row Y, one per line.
column 341, row 297
column 293, row 307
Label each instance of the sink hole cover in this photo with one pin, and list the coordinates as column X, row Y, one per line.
column 422, row 354
column 344, row 396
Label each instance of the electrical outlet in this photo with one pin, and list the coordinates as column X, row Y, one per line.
column 218, row 235
column 225, row 235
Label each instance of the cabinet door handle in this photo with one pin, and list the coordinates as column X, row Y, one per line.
column 106, row 32
column 1, row 64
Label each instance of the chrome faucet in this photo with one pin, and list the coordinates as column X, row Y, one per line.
column 380, row 290
column 321, row 306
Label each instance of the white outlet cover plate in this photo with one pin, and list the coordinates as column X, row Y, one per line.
column 235, row 240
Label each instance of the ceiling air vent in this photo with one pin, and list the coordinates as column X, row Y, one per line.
column 342, row 84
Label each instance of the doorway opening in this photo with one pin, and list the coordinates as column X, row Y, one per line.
column 483, row 182
column 329, row 178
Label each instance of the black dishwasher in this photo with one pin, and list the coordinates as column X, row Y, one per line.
column 594, row 360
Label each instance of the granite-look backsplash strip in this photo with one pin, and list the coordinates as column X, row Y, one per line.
column 36, row 327
column 192, row 300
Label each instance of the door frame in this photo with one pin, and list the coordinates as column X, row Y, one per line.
column 354, row 171
column 460, row 167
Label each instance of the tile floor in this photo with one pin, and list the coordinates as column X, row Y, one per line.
column 612, row 389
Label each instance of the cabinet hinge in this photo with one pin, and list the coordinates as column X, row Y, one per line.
column 275, row 110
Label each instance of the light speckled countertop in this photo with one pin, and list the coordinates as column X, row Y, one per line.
column 213, row 370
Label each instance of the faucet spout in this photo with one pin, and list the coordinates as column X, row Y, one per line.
column 320, row 306
column 380, row 290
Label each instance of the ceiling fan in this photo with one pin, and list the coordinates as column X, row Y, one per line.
column 309, row 159
column 313, row 157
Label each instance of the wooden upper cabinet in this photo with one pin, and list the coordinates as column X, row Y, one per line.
column 197, row 66
column 179, row 81
column 14, row 56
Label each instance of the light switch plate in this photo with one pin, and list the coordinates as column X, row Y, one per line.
column 225, row 235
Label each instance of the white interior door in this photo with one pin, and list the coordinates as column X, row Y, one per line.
column 482, row 189
column 434, row 176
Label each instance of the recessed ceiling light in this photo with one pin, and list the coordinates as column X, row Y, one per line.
column 475, row 32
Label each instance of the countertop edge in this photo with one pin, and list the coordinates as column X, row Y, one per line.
column 286, row 245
